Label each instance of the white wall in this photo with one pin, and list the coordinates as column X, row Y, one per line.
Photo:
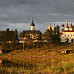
column 32, row 27
column 69, row 35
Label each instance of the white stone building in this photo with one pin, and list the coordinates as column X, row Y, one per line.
column 67, row 35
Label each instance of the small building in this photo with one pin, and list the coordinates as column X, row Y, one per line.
column 1, row 49
column 65, row 51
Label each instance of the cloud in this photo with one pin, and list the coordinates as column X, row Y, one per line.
column 43, row 11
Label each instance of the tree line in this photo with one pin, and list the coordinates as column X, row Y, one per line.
column 53, row 36
column 8, row 36
column 12, row 37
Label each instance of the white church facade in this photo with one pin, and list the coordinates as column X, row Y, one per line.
column 67, row 34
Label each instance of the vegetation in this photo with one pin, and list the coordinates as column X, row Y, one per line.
column 9, row 39
column 41, row 57
column 48, row 59
column 8, row 36
column 64, row 64
column 52, row 36
column 46, row 50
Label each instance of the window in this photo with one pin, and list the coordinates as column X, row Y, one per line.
column 66, row 40
column 72, row 40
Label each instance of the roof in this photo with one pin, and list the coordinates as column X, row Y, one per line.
column 32, row 24
column 30, row 31
column 61, row 33
column 66, row 24
column 49, row 27
column 68, row 31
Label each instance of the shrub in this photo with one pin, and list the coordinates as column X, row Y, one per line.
column 69, row 66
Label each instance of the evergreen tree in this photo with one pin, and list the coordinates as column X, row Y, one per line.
column 22, row 34
column 47, row 35
column 55, row 36
column 38, row 37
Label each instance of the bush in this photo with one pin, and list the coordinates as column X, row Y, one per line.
column 57, row 69
column 69, row 66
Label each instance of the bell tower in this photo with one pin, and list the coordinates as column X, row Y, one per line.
column 49, row 27
column 70, row 27
column 66, row 28
column 32, row 25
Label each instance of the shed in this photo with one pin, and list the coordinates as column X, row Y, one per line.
column 1, row 49
column 65, row 51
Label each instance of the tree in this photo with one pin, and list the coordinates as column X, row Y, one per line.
column 24, row 35
column 15, row 38
column 47, row 35
column 6, row 35
column 28, row 38
column 39, row 37
column 1, row 36
column 55, row 36
column 52, row 36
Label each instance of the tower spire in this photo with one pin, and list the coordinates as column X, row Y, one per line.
column 70, row 24
column 49, row 27
column 66, row 28
column 70, row 27
column 66, row 24
column 32, row 19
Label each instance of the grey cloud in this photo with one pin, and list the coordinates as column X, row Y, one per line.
column 43, row 11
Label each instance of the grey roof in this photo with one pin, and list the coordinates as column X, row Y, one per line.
column 30, row 31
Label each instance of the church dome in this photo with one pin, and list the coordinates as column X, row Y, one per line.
column 32, row 24
column 62, row 25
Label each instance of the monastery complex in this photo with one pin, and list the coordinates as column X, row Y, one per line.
column 67, row 32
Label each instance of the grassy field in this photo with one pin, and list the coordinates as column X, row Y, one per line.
column 46, row 59
column 45, row 50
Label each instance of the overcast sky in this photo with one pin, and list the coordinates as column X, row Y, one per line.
column 17, row 14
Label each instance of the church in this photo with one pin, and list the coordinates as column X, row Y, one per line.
column 32, row 33
column 67, row 34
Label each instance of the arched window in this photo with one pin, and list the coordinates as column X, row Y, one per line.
column 66, row 40
column 72, row 40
